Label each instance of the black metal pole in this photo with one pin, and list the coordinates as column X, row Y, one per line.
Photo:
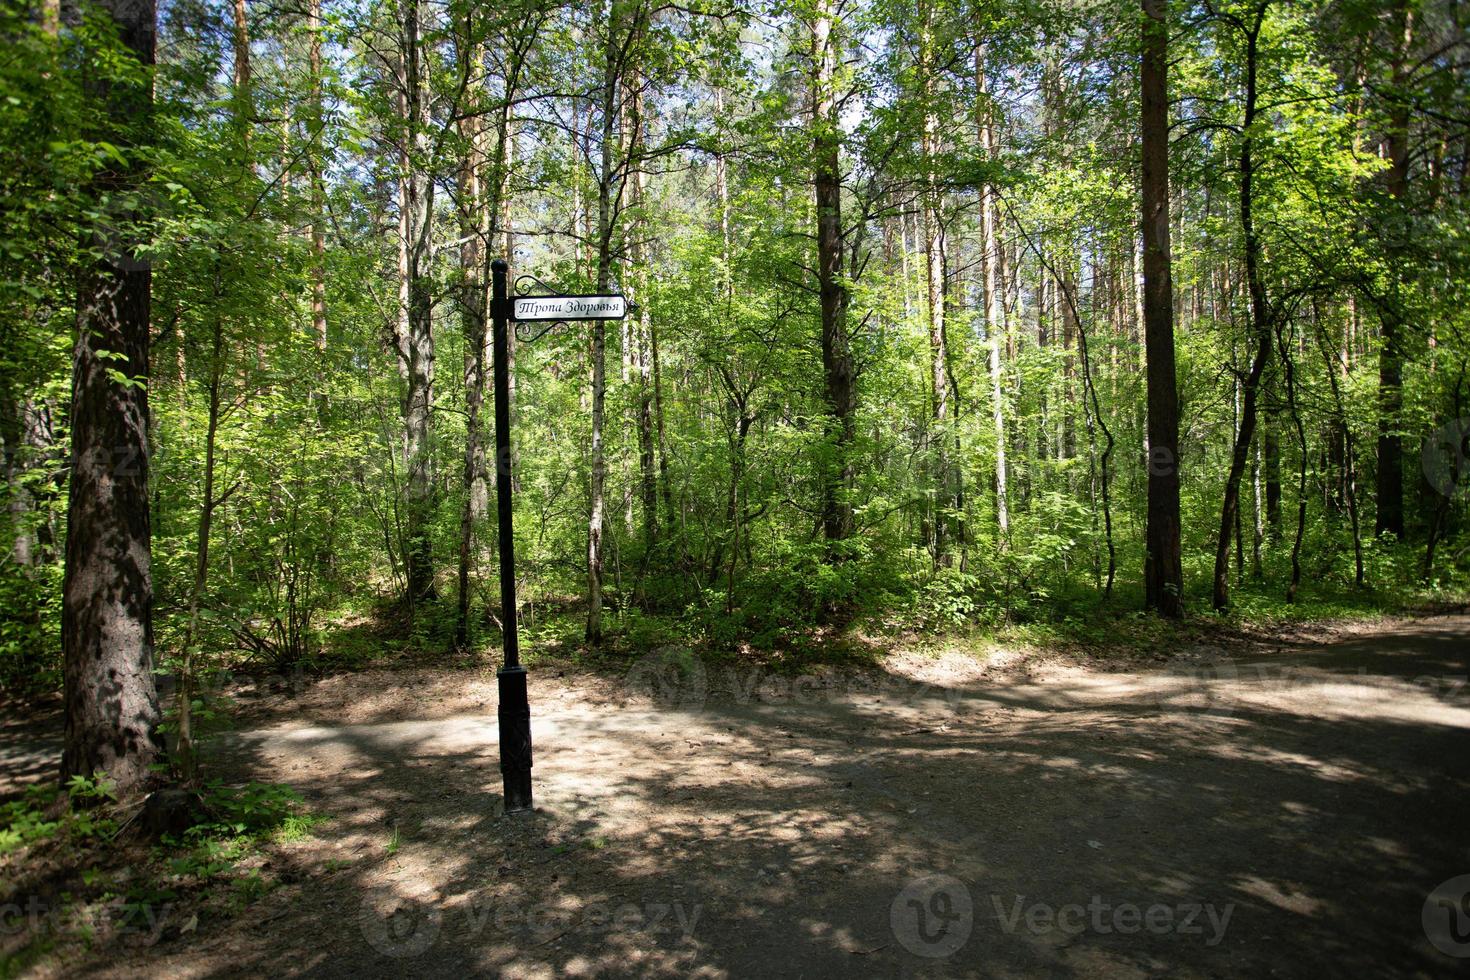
column 515, row 707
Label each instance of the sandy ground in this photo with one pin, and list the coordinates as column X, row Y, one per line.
column 1282, row 811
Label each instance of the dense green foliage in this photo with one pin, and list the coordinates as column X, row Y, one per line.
column 715, row 394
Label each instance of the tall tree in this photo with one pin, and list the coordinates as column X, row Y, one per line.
column 314, row 166
column 934, row 276
column 991, row 283
column 622, row 22
column 1390, row 518
column 838, row 370
column 112, row 710
column 1249, row 27
column 1163, row 570
column 474, row 237
column 641, row 333
column 415, row 339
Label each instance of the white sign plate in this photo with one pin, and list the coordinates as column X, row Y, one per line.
column 569, row 308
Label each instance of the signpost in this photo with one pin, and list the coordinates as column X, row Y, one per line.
column 569, row 308
column 515, row 707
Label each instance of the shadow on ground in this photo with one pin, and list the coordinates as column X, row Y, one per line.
column 1277, row 816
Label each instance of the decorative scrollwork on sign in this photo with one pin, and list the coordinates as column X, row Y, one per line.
column 526, row 282
column 525, row 336
column 546, row 308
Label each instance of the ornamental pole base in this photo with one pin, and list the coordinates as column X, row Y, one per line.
column 515, row 739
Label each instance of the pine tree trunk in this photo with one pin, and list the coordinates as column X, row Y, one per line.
column 111, row 700
column 837, row 365
column 241, row 45
column 1163, row 564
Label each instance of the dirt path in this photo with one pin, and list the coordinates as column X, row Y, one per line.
column 30, row 747
column 1284, row 813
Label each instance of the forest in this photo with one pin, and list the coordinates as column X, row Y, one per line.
column 894, row 347
column 1054, row 321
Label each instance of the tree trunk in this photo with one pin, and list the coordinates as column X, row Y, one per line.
column 1391, row 357
column 1067, row 284
column 1288, row 365
column 738, row 401
column 473, row 304
column 1337, row 376
column 1163, row 570
column 1258, row 515
column 1260, row 321
column 20, row 505
column 934, row 263
column 838, row 371
column 642, row 329
column 1271, row 443
column 607, row 181
column 994, row 302
column 314, row 122
column 243, row 99
column 1043, row 341
column 111, row 701
column 1239, row 517
column 662, row 442
column 416, row 346
column 508, row 238
column 207, row 505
